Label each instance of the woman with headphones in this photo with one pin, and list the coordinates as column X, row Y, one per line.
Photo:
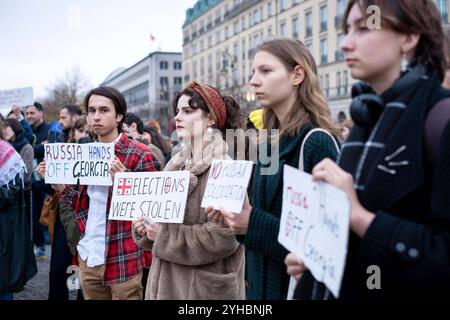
column 395, row 165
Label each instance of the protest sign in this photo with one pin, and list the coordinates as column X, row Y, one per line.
column 65, row 163
column 314, row 225
column 227, row 184
column 20, row 96
column 160, row 196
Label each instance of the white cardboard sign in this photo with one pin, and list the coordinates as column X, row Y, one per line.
column 65, row 163
column 314, row 225
column 159, row 196
column 20, row 96
column 227, row 184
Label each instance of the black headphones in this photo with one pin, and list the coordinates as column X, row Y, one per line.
column 366, row 106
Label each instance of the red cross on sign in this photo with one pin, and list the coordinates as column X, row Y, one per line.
column 124, row 187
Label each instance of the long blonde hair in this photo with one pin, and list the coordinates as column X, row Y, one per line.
column 310, row 105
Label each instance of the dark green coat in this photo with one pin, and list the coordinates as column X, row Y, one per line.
column 266, row 276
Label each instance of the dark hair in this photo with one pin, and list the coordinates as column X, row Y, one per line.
column 411, row 17
column 130, row 118
column 15, row 125
column 73, row 109
column 113, row 94
column 37, row 105
column 235, row 117
column 80, row 123
column 158, row 140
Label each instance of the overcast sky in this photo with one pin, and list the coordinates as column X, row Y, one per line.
column 42, row 39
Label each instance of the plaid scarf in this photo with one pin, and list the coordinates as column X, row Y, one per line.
column 393, row 145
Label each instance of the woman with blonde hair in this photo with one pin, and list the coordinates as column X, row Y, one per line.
column 286, row 84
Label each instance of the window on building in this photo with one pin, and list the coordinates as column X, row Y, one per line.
column 210, row 64
column 323, row 18
column 137, row 95
column 269, row 31
column 283, row 29
column 338, row 83
column 345, row 82
column 164, row 88
column 281, row 5
column 163, row 65
column 340, row 8
column 269, row 9
column 243, row 23
column 235, row 51
column 243, row 49
column 236, row 27
column 308, row 24
column 323, row 51
column 177, row 65
column 202, row 67
column 209, row 42
column 226, row 32
column 295, row 27
column 327, row 85
column 218, row 37
column 443, row 9
column 339, row 55
column 194, row 70
column 177, row 81
column 256, row 16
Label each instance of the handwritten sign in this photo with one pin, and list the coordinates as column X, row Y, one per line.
column 227, row 184
column 315, row 220
column 65, row 163
column 20, row 96
column 159, row 196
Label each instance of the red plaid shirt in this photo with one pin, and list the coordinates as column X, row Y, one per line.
column 124, row 258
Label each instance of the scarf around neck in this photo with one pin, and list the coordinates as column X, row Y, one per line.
column 393, row 145
column 11, row 164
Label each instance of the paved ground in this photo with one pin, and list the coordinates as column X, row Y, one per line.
column 37, row 287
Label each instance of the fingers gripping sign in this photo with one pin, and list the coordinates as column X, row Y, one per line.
column 116, row 166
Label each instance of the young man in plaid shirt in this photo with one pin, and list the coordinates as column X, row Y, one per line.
column 110, row 261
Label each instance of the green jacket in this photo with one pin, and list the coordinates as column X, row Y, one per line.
column 71, row 227
column 266, row 276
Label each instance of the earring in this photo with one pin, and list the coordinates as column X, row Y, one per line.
column 209, row 130
column 404, row 64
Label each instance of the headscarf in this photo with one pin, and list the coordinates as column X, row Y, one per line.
column 11, row 164
column 213, row 101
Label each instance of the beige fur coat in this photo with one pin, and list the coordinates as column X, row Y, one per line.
column 196, row 259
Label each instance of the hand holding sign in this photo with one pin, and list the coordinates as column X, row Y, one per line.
column 41, row 171
column 295, row 266
column 328, row 171
column 152, row 230
column 139, row 227
column 116, row 166
column 238, row 223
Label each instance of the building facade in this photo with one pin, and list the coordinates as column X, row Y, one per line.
column 150, row 85
column 220, row 36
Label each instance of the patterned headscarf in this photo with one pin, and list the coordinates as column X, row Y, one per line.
column 11, row 164
column 213, row 101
